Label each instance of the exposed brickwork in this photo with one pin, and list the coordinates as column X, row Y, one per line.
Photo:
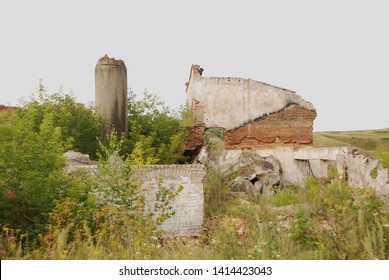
column 195, row 137
column 292, row 125
column 198, row 114
column 254, row 114
column 5, row 108
column 188, row 205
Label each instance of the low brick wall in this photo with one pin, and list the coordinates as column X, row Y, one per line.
column 5, row 108
column 188, row 205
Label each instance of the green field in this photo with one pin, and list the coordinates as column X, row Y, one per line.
column 374, row 143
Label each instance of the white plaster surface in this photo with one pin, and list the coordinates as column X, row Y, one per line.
column 364, row 172
column 232, row 102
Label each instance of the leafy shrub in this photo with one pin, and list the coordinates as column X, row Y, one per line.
column 30, row 169
column 217, row 197
column 80, row 125
column 154, row 125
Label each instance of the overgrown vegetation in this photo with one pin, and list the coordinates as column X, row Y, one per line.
column 154, row 128
column 48, row 214
column 214, row 139
column 80, row 125
column 325, row 219
column 94, row 217
column 321, row 220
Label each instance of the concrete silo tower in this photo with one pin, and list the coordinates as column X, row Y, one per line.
column 111, row 93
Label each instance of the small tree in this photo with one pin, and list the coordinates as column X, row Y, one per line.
column 30, row 168
column 154, row 125
column 80, row 125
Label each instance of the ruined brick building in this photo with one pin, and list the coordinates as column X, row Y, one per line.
column 253, row 114
column 5, row 108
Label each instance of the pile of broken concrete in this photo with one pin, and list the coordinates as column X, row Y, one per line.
column 256, row 175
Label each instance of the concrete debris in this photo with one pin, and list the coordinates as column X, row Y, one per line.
column 243, row 185
column 202, row 157
column 256, row 175
column 295, row 165
column 75, row 160
column 361, row 171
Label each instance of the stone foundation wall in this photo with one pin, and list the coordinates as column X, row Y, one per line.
column 292, row 125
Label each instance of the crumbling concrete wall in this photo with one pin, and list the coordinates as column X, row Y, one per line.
column 188, row 205
column 299, row 163
column 252, row 113
column 293, row 171
column 361, row 171
column 111, row 92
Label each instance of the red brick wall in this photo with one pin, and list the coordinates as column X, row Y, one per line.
column 4, row 108
column 292, row 125
column 195, row 137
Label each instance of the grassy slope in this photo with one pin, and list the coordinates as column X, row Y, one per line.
column 374, row 143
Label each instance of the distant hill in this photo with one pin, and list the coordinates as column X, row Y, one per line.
column 374, row 143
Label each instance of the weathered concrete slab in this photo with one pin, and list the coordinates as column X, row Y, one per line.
column 75, row 160
column 322, row 153
column 361, row 171
column 294, row 171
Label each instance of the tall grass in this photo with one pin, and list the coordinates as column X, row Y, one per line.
column 373, row 143
column 320, row 220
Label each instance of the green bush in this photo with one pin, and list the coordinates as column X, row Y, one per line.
column 154, row 125
column 30, row 169
column 80, row 125
column 217, row 195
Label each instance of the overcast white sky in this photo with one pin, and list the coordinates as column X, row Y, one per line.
column 334, row 54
